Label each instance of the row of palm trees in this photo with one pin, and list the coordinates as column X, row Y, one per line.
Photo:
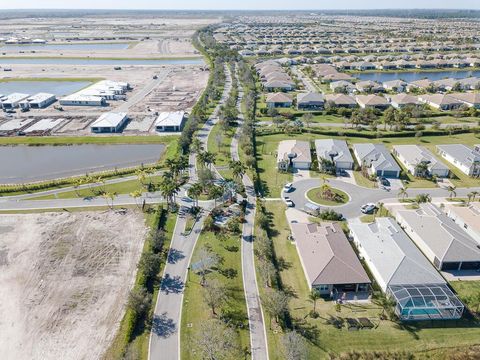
column 471, row 196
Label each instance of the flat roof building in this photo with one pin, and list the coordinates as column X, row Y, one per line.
column 38, row 101
column 110, row 122
column 13, row 100
column 403, row 272
column 329, row 262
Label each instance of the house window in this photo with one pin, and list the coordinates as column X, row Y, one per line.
column 323, row 287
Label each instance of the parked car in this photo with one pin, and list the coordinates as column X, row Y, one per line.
column 384, row 181
column 368, row 208
column 288, row 202
column 288, row 187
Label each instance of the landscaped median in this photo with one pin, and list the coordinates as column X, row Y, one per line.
column 327, row 196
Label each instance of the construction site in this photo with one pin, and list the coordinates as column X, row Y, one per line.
column 64, row 281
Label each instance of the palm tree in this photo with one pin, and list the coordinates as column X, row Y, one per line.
column 169, row 188
column 403, row 193
column 215, row 193
column 314, row 296
column 389, row 117
column 387, row 304
column 109, row 197
column 195, row 191
column 452, row 192
column 469, row 197
column 474, row 195
column 423, row 198
column 136, row 194
column 378, row 210
column 196, row 145
column 421, row 169
column 77, row 183
column 238, row 169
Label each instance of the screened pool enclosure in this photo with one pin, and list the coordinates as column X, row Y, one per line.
column 425, row 302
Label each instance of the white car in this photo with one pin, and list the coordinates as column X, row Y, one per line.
column 288, row 187
column 368, row 208
column 288, row 202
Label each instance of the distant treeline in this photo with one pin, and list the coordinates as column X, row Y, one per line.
column 404, row 13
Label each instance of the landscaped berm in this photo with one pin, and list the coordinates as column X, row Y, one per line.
column 327, row 195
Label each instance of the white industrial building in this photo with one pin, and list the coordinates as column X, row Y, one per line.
column 38, row 101
column 110, row 122
column 97, row 94
column 170, row 121
column 13, row 100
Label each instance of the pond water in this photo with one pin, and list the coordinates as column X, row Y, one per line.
column 59, row 88
column 60, row 47
column 86, row 61
column 19, row 164
column 412, row 76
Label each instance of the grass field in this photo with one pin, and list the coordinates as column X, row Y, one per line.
column 386, row 336
column 124, row 187
column 195, row 311
column 76, row 140
column 222, row 152
column 273, row 180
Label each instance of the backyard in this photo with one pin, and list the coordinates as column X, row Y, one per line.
column 385, row 336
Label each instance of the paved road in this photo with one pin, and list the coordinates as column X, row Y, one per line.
column 309, row 85
column 258, row 339
column 361, row 195
column 165, row 335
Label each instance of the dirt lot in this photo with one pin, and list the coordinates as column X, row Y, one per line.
column 64, row 280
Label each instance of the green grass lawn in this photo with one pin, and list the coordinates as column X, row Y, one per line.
column 315, row 196
column 125, row 187
column 194, row 309
column 222, row 152
column 75, row 140
column 363, row 181
column 386, row 336
column 267, row 147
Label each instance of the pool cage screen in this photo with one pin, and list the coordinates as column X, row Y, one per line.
column 425, row 302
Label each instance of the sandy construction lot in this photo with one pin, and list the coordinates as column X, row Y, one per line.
column 64, row 281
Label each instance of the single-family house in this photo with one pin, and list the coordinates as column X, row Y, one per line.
column 170, row 121
column 395, row 85
column 328, row 260
column 310, row 101
column 440, row 101
column 344, row 87
column 403, row 272
column 13, row 100
column 377, row 159
column 419, row 161
column 467, row 217
column 470, row 99
column 341, row 100
column 111, row 122
column 444, row 243
column 335, row 151
column 372, row 102
column 400, row 101
column 369, row 86
column 462, row 157
column 279, row 99
column 295, row 154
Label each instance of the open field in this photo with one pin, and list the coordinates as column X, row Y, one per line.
column 65, row 279
column 274, row 180
column 386, row 336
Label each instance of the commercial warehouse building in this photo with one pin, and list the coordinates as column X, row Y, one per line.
column 403, row 272
column 109, row 123
column 329, row 262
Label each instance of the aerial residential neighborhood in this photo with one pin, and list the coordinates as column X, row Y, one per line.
column 255, row 180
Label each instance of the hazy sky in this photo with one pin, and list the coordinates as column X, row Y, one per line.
column 244, row 4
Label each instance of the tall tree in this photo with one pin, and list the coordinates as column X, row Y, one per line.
column 294, row 346
column 216, row 341
column 214, row 294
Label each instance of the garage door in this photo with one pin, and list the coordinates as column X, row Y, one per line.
column 392, row 174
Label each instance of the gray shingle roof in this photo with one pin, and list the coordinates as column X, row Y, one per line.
column 328, row 147
column 377, row 155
